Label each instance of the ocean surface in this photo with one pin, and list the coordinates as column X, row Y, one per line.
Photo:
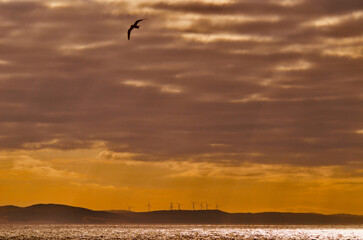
column 201, row 232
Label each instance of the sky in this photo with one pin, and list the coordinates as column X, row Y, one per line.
column 256, row 105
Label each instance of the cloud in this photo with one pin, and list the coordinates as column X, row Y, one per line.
column 162, row 88
column 39, row 168
column 209, row 78
column 118, row 156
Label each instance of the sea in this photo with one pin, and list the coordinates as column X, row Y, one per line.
column 166, row 232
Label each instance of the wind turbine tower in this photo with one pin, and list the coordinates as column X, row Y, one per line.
column 194, row 205
column 206, row 206
column 148, row 206
column 179, row 206
column 171, row 206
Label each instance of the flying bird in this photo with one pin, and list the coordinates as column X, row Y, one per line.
column 132, row 27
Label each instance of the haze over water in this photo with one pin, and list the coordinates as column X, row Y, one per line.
column 91, row 232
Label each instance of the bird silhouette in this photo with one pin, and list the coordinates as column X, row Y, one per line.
column 132, row 27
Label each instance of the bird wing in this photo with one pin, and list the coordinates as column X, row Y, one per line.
column 129, row 33
column 137, row 21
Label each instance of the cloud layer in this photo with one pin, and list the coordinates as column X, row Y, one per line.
column 219, row 81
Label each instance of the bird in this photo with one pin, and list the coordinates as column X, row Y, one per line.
column 132, row 27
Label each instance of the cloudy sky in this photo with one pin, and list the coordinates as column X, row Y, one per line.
column 254, row 104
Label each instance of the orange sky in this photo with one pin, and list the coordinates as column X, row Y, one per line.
column 254, row 105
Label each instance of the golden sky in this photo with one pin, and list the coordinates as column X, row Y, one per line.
column 256, row 105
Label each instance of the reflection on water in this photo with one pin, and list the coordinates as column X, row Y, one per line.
column 201, row 232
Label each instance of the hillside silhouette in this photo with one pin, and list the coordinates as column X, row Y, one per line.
column 54, row 213
column 62, row 214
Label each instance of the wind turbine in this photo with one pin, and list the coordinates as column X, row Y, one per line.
column 179, row 206
column 148, row 206
column 129, row 207
column 217, row 206
column 194, row 204
column 171, row 206
column 206, row 206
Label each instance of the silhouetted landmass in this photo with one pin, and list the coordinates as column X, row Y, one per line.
column 61, row 214
column 53, row 213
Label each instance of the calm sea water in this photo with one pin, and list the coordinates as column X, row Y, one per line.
column 201, row 232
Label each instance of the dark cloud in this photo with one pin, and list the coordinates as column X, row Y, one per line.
column 275, row 91
column 349, row 28
column 306, row 8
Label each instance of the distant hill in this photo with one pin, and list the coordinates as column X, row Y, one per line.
column 53, row 213
column 62, row 214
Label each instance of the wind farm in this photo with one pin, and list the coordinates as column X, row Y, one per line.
column 173, row 206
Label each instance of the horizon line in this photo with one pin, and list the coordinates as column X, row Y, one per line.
column 177, row 210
